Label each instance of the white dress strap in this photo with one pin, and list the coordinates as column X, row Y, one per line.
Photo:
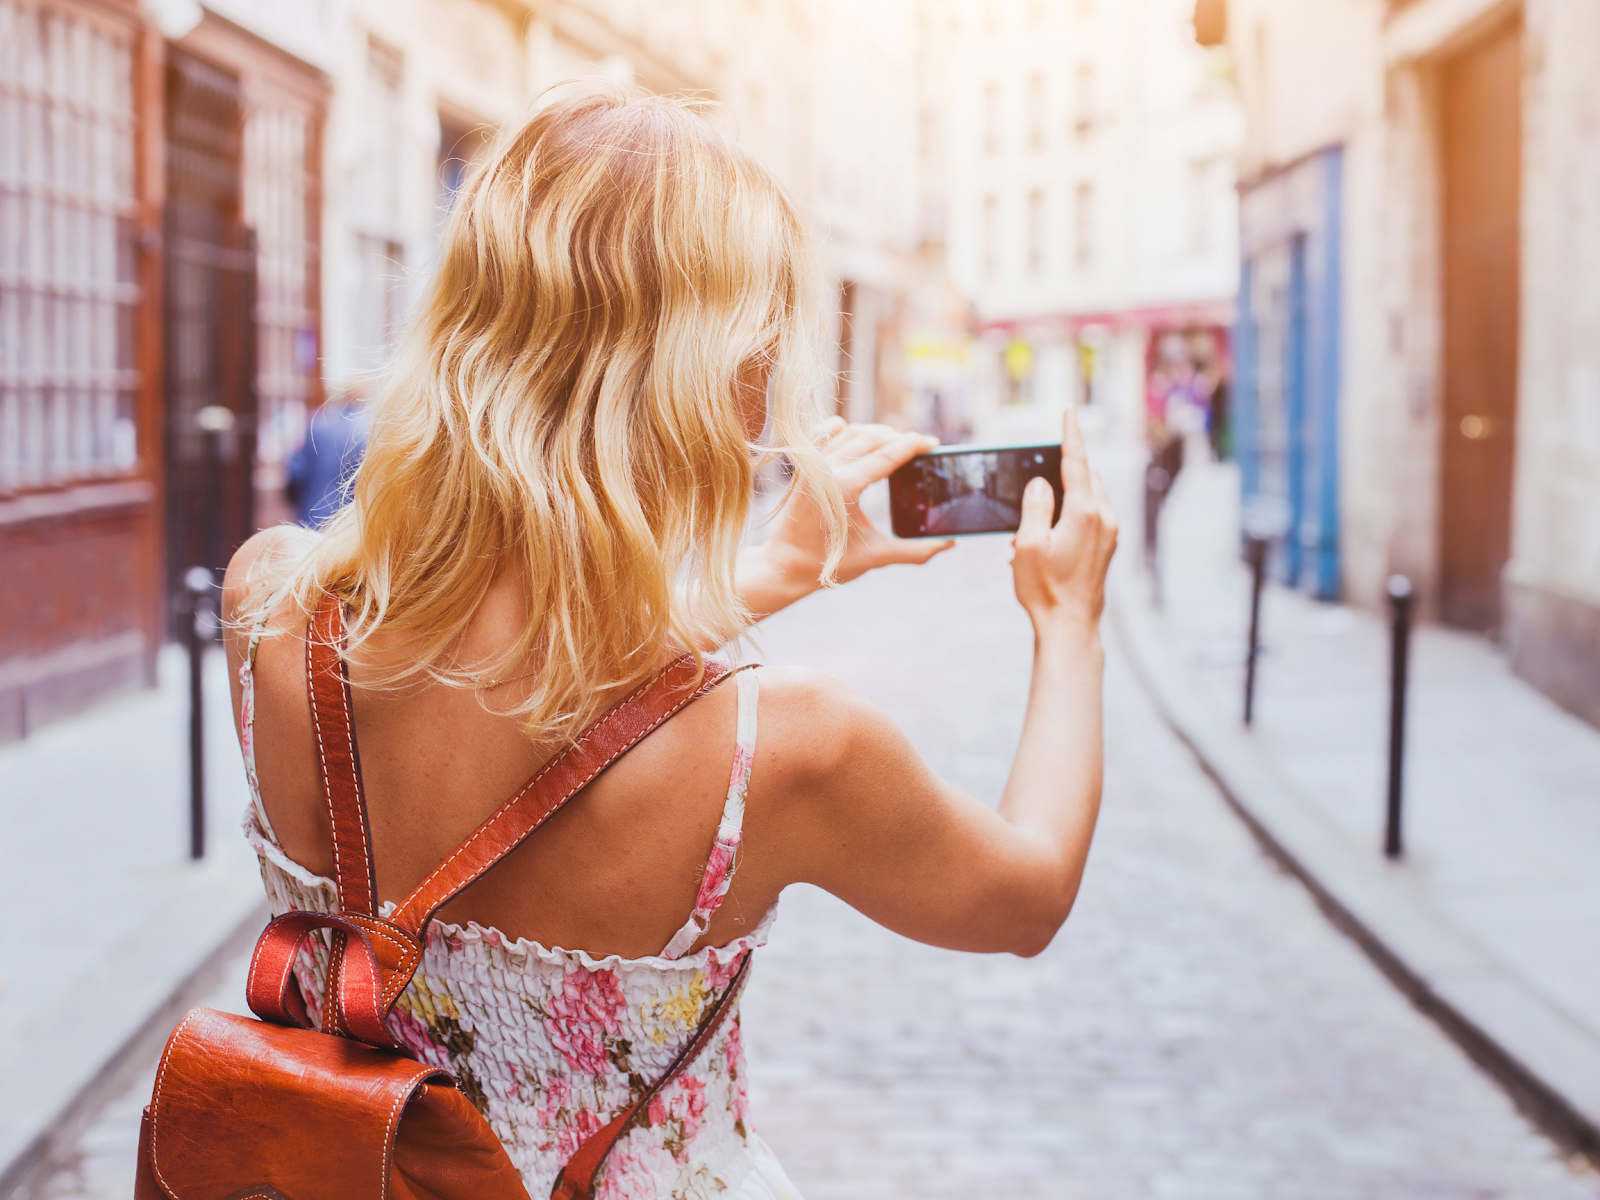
column 723, row 862
column 247, row 717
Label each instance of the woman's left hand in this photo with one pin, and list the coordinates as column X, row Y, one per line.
column 788, row 565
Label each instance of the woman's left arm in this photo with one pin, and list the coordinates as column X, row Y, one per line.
column 788, row 565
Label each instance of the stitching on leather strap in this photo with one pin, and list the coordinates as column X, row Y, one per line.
column 322, row 753
column 369, row 882
column 327, row 622
column 288, row 970
column 401, row 1099
column 410, row 957
column 161, row 1079
column 490, row 825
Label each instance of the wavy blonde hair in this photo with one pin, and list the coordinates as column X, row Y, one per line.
column 565, row 405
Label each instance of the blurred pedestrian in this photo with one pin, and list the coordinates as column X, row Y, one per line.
column 320, row 471
column 545, row 549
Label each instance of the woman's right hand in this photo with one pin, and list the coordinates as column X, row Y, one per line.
column 1060, row 572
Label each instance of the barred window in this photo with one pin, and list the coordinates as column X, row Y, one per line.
column 379, row 246
column 68, row 284
column 280, row 192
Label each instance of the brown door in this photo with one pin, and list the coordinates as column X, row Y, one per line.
column 210, row 296
column 1482, row 116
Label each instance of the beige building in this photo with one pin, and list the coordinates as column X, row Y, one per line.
column 1087, row 192
column 421, row 86
column 1421, row 247
column 254, row 203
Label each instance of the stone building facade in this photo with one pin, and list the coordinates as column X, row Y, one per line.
column 1437, row 159
column 1088, row 193
column 215, row 216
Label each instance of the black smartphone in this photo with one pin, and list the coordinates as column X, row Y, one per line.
column 969, row 489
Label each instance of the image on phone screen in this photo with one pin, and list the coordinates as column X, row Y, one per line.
column 969, row 489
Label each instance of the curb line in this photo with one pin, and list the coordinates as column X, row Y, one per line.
column 141, row 1048
column 1445, row 994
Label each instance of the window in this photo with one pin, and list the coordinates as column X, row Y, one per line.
column 280, row 194
column 1083, row 100
column 1083, row 227
column 1036, row 112
column 991, row 235
column 991, row 119
column 1036, row 232
column 68, row 287
column 1199, row 208
column 377, row 214
column 379, row 297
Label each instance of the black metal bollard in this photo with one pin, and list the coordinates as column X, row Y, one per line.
column 1157, row 480
column 199, row 629
column 1400, row 599
column 1256, row 555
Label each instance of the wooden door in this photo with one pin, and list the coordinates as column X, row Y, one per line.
column 1482, row 119
column 210, row 298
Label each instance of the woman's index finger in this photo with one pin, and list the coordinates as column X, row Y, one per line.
column 1074, row 458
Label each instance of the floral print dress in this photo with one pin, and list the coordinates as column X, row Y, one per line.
column 551, row 1043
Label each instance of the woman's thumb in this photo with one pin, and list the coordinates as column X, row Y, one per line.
column 1038, row 502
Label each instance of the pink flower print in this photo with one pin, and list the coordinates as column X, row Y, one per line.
column 714, row 883
column 587, row 1007
column 584, row 1125
column 583, row 1048
column 684, row 1101
column 557, row 1096
column 636, row 1170
column 720, row 974
column 414, row 1035
column 743, row 760
column 247, row 711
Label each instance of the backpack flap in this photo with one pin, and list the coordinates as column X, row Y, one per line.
column 242, row 1105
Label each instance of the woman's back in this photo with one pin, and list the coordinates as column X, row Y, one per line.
column 547, row 1042
column 615, row 872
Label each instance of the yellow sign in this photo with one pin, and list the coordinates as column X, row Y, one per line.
column 1019, row 360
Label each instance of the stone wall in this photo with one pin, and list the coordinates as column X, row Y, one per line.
column 1553, row 580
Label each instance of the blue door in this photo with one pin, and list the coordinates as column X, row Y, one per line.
column 1287, row 374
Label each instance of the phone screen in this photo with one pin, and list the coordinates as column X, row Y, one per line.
column 969, row 489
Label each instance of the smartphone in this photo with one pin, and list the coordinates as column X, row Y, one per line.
column 969, row 489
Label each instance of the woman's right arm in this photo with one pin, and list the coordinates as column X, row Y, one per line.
column 861, row 815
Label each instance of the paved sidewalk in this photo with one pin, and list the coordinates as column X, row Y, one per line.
column 109, row 924
column 1490, row 918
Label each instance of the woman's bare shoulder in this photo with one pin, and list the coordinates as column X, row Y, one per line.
column 816, row 730
column 265, row 554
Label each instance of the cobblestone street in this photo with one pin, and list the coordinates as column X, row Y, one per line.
column 1198, row 1030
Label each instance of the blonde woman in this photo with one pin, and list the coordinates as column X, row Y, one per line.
column 551, row 509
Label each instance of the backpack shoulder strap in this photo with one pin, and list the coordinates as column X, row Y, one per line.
column 328, row 681
column 616, row 732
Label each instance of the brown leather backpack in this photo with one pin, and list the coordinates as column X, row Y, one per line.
column 276, row 1110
